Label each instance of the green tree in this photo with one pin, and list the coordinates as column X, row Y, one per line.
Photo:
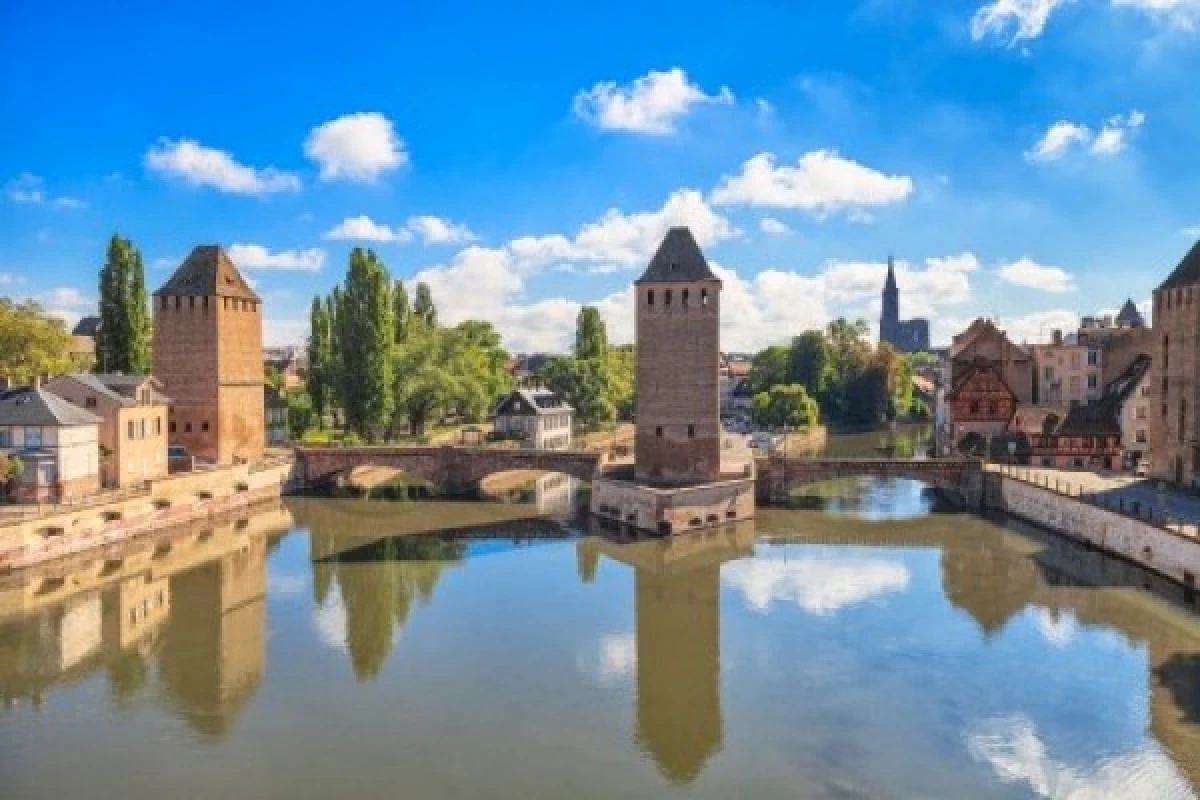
column 400, row 309
column 585, row 384
column 591, row 336
column 369, row 334
column 300, row 414
column 770, row 367
column 320, row 359
column 423, row 309
column 787, row 406
column 32, row 344
column 811, row 363
column 123, row 341
column 622, row 366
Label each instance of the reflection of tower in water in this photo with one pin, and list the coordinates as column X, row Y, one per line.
column 677, row 604
column 214, row 651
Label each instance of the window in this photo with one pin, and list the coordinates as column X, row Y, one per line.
column 667, row 297
column 171, row 426
column 142, row 429
column 178, row 302
column 704, row 298
column 1093, row 381
column 974, row 406
column 163, row 302
column 650, row 297
column 187, row 427
column 1049, row 373
column 1093, row 358
column 685, row 296
column 33, row 437
column 658, row 431
column 5, row 437
column 157, row 426
column 204, row 426
column 1166, row 352
column 89, row 402
column 130, row 429
column 691, row 431
column 1140, row 436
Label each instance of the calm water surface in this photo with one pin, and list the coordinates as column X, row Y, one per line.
column 868, row 645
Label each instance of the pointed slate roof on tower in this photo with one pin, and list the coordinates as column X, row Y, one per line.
column 207, row 272
column 1187, row 273
column 1130, row 316
column 890, row 284
column 678, row 260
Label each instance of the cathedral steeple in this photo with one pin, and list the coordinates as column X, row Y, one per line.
column 889, row 320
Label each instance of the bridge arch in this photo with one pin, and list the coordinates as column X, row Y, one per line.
column 959, row 478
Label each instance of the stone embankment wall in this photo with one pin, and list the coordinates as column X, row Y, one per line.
column 176, row 499
column 1167, row 552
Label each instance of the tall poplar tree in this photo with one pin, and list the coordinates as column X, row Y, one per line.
column 370, row 332
column 591, row 337
column 423, row 308
column 320, row 354
column 400, row 309
column 123, row 341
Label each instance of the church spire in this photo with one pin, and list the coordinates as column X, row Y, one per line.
column 890, row 285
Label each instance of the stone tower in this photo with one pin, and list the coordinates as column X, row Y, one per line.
column 889, row 320
column 678, row 350
column 1175, row 385
column 208, row 354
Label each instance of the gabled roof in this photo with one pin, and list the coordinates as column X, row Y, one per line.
column 532, row 402
column 34, row 406
column 1093, row 419
column 678, row 260
column 118, row 387
column 1120, row 387
column 979, row 367
column 1188, row 271
column 207, row 272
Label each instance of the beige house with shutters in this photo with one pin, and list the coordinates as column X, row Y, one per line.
column 133, row 427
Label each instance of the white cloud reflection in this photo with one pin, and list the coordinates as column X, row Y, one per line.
column 820, row 585
column 1016, row 753
column 610, row 660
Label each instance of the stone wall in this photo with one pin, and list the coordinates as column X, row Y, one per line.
column 674, row 510
column 1174, row 400
column 185, row 360
column 179, row 498
column 1169, row 553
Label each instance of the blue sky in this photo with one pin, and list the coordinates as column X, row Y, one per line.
column 1024, row 159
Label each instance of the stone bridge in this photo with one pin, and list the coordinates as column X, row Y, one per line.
column 962, row 478
column 453, row 470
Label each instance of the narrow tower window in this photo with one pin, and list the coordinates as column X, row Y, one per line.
column 658, row 431
column 667, row 297
column 704, row 298
column 650, row 297
column 691, row 431
column 685, row 297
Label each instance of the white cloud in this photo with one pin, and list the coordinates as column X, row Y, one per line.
column 30, row 189
column 255, row 256
column 67, row 297
column 329, row 621
column 284, row 332
column 1193, row 231
column 26, row 188
column 1181, row 14
column 431, row 230
column 1059, row 628
column 1038, row 326
column 363, row 228
column 626, row 240
column 822, row 182
column 925, row 289
column 1023, row 19
column 437, row 230
column 652, row 104
column 1016, row 753
column 1057, row 140
column 820, row 585
column 198, row 165
column 1113, row 136
column 356, row 147
column 1029, row 273
column 773, row 227
column 9, row 278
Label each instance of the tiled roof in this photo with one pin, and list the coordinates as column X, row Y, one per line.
column 1130, row 316
column 535, row 401
column 119, row 386
column 34, row 406
column 678, row 260
column 207, row 272
column 1188, row 271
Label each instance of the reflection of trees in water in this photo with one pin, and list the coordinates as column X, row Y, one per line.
column 379, row 583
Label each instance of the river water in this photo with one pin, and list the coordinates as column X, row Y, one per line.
column 868, row 644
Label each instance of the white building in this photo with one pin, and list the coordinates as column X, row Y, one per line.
column 1132, row 391
column 536, row 418
column 56, row 443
